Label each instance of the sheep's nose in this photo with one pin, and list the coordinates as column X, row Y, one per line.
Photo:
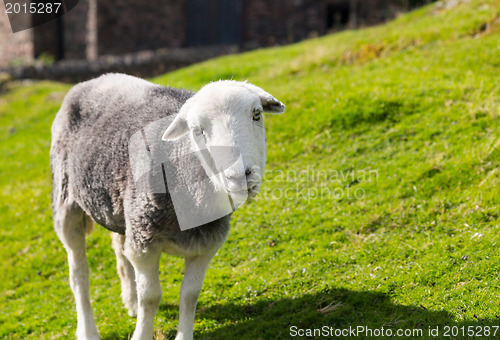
column 253, row 170
column 253, row 175
column 231, row 174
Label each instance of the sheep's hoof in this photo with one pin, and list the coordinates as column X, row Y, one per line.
column 180, row 336
column 132, row 312
column 131, row 306
column 132, row 309
column 88, row 337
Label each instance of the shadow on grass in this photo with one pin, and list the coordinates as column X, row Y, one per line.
column 337, row 308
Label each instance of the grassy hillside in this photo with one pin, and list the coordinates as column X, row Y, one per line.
column 380, row 206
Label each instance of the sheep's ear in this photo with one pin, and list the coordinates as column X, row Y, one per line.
column 269, row 103
column 176, row 129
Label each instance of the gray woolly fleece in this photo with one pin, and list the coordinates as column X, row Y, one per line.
column 91, row 169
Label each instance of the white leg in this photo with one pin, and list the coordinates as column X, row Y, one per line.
column 194, row 273
column 69, row 222
column 127, row 275
column 147, row 267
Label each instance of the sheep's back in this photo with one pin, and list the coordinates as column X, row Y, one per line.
column 93, row 129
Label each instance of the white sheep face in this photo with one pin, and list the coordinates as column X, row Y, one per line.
column 226, row 123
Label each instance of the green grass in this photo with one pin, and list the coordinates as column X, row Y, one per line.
column 380, row 205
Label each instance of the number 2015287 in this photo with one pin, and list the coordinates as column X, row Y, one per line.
column 32, row 8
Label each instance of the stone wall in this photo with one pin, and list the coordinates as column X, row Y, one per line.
column 101, row 27
column 142, row 64
column 129, row 25
column 287, row 21
column 281, row 21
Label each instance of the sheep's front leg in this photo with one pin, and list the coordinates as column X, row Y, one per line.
column 146, row 266
column 127, row 275
column 194, row 273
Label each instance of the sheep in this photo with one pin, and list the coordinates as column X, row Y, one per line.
column 93, row 178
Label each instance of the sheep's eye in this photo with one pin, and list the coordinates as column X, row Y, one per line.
column 198, row 131
column 257, row 115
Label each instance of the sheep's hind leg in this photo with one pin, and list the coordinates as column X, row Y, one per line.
column 194, row 273
column 127, row 275
column 71, row 224
column 147, row 272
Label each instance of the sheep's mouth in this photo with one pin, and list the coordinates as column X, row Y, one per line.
column 238, row 194
column 244, row 194
column 253, row 190
column 240, row 189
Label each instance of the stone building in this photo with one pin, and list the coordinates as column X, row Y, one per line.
column 101, row 27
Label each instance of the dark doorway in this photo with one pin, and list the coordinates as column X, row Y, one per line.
column 49, row 39
column 214, row 22
column 198, row 16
